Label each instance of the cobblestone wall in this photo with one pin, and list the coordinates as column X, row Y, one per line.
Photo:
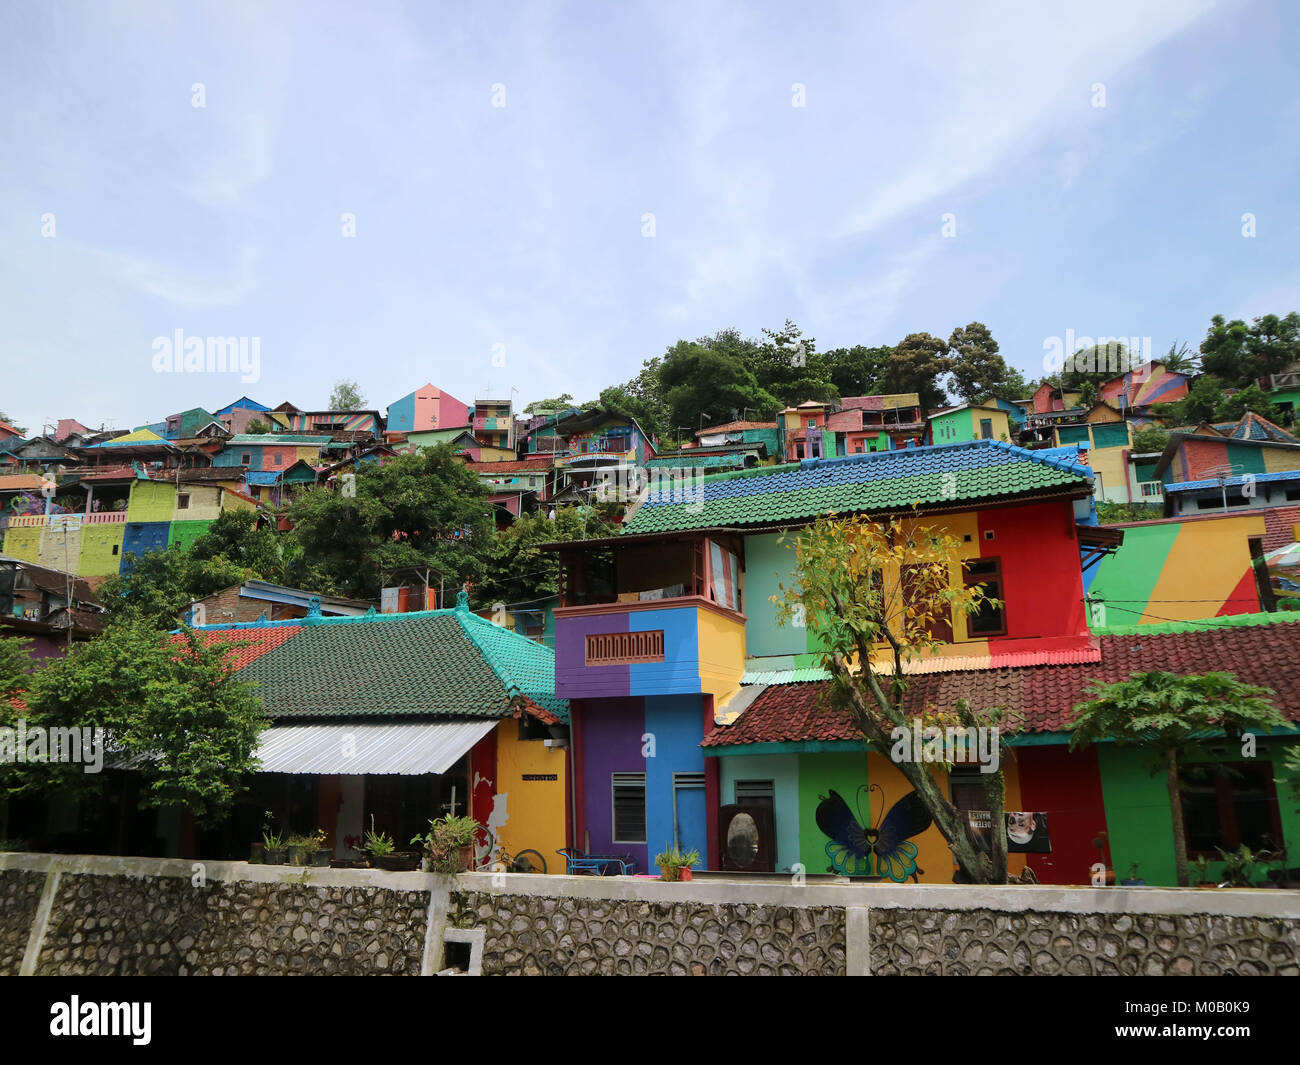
column 534, row 935
column 986, row 942
column 164, row 926
column 20, row 892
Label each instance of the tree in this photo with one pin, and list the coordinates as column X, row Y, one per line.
column 160, row 585
column 788, row 365
column 859, row 370
column 558, row 403
column 257, row 427
column 1171, row 716
column 175, row 705
column 236, row 537
column 1099, row 361
column 640, row 398
column 1223, row 351
column 873, row 591
column 916, row 364
column 15, row 666
column 423, row 510
column 978, row 371
column 346, row 396
column 516, row 571
column 22, row 430
column 703, row 387
column 1272, row 344
column 1251, row 398
column 1150, row 440
column 1180, row 359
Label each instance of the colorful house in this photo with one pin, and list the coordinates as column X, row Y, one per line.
column 1143, row 387
column 366, row 424
column 1108, row 436
column 237, row 416
column 271, row 451
column 658, row 629
column 970, row 421
column 804, row 434
column 1204, row 471
column 493, row 422
column 743, row 433
column 425, row 409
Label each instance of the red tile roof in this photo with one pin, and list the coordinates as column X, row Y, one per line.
column 734, row 427
column 255, row 641
column 1264, row 654
column 537, row 465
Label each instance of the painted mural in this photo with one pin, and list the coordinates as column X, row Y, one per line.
column 885, row 849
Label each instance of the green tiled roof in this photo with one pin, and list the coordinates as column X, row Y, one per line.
column 877, row 482
column 431, row 664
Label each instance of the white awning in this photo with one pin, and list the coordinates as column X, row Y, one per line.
column 353, row 750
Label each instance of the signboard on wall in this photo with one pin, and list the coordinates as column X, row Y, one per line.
column 1026, row 831
column 388, row 600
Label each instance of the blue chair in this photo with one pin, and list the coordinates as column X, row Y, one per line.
column 577, row 862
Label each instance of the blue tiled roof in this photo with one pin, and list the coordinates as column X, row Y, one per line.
column 1231, row 482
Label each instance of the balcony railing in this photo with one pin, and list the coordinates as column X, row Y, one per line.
column 624, row 648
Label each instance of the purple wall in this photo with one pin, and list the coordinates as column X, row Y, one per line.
column 611, row 743
column 573, row 680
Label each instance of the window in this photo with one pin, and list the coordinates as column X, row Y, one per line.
column 183, row 501
column 629, row 807
column 812, row 422
column 1293, row 495
column 756, row 793
column 921, row 582
column 1151, row 488
column 990, row 621
column 245, row 458
column 798, row 451
column 1228, row 805
column 621, row 648
column 857, row 447
column 986, row 428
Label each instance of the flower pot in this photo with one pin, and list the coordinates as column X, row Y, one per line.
column 347, row 863
column 684, row 873
column 668, row 872
column 319, row 859
column 298, row 855
column 466, row 855
column 256, row 853
column 274, row 857
column 397, row 862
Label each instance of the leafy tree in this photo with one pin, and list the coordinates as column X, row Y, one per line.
column 916, row 364
column 1016, row 386
column 257, row 427
column 424, row 510
column 160, row 586
column 558, row 403
column 15, row 665
column 859, row 370
column 1171, row 717
column 1099, row 362
column 346, row 396
column 176, row 705
column 1150, row 440
column 1199, row 405
column 1250, row 398
column 788, row 365
column 235, row 537
column 703, row 387
column 516, row 571
column 640, row 398
column 1223, row 351
column 849, row 588
column 1272, row 344
column 10, row 422
column 1180, row 359
column 1111, row 513
column 977, row 368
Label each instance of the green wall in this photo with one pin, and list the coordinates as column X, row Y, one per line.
column 818, row 773
column 767, row 563
column 184, row 533
column 1138, row 816
column 783, row 771
column 953, row 428
column 151, row 501
column 1129, row 576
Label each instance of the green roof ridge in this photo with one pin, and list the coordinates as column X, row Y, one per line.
column 1228, row 621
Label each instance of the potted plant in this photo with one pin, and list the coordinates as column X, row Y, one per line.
column 1132, row 879
column 674, row 865
column 272, row 842
column 299, row 847
column 448, row 846
column 1199, row 872
column 1238, row 866
column 318, row 849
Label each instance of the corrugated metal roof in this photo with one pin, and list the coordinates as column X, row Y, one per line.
column 351, row 750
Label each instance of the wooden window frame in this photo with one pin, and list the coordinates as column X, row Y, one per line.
column 972, row 580
column 1227, row 808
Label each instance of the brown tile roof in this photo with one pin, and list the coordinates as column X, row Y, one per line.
column 1266, row 654
column 735, row 427
column 518, row 466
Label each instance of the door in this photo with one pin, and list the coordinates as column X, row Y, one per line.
column 747, row 836
column 690, row 824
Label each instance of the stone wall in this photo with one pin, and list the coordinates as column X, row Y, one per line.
column 987, row 943
column 20, row 892
column 79, row 915
column 546, row 935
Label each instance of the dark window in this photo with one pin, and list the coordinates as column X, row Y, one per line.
column 986, row 428
column 990, row 620
column 629, row 807
column 798, row 451
column 245, row 458
column 182, row 502
column 1229, row 804
column 756, row 793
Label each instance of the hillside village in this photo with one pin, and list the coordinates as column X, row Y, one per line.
column 638, row 685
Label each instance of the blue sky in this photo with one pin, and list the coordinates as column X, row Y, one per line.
column 521, row 226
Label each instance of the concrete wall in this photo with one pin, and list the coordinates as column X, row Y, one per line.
column 74, row 915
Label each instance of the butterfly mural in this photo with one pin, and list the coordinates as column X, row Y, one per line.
column 852, row 847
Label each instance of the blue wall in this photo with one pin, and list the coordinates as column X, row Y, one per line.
column 677, row 724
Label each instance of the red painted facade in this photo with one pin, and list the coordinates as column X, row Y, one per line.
column 1067, row 787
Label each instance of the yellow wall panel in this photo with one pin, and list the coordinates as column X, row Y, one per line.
column 534, row 808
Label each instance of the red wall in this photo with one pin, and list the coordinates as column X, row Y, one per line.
column 1039, row 550
column 1067, row 787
